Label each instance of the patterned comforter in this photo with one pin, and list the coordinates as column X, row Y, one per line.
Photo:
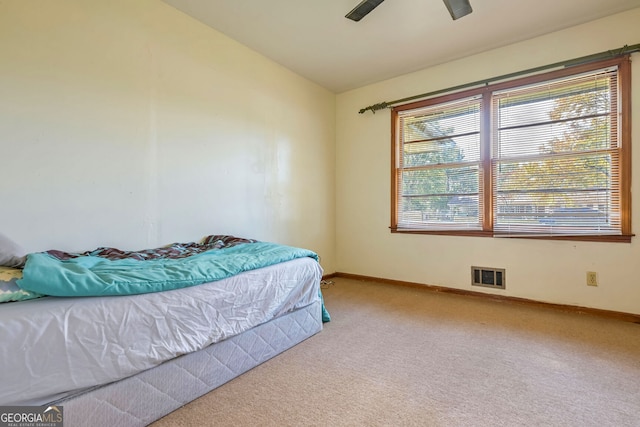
column 173, row 251
column 110, row 271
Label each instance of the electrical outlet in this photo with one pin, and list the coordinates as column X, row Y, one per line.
column 592, row 278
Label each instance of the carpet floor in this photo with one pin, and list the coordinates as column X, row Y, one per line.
column 403, row 356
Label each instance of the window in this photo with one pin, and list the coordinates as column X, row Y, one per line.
column 542, row 156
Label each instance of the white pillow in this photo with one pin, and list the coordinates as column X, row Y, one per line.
column 11, row 253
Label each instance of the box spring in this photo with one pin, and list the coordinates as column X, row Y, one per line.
column 147, row 396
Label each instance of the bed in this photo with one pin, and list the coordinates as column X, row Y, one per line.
column 114, row 351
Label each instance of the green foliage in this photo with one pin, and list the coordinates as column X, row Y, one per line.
column 433, row 188
column 553, row 178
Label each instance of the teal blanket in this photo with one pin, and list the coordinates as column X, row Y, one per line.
column 98, row 276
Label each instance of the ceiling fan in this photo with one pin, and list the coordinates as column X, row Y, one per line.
column 457, row 8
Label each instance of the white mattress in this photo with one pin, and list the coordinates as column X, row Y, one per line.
column 56, row 347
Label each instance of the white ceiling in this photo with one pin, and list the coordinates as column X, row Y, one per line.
column 315, row 40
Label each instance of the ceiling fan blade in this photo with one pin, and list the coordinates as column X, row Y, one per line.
column 458, row 8
column 362, row 9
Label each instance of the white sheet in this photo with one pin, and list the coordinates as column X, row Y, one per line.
column 54, row 347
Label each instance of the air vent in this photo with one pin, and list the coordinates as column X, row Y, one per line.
column 488, row 277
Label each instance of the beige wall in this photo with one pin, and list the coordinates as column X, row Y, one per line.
column 129, row 124
column 552, row 271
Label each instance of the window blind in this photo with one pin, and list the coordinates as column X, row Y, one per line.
column 556, row 157
column 439, row 169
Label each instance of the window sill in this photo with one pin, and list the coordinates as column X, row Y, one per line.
column 626, row 238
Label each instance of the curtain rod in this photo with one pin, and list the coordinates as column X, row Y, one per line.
column 568, row 63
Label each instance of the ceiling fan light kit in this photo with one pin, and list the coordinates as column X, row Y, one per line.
column 457, row 8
